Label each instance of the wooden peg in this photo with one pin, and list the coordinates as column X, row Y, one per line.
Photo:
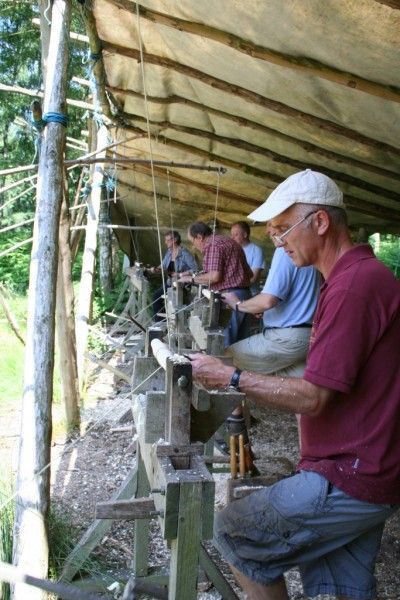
column 233, row 458
column 242, row 459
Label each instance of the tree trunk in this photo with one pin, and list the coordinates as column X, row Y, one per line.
column 89, row 255
column 66, row 325
column 105, row 250
column 33, row 477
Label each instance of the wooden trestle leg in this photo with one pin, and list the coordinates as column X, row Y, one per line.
column 142, row 526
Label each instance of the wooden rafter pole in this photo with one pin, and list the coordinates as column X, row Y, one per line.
column 266, row 176
column 308, row 147
column 33, row 475
column 178, row 201
column 38, row 94
column 363, row 206
column 96, row 50
column 273, row 156
column 360, row 205
column 305, row 65
column 250, row 96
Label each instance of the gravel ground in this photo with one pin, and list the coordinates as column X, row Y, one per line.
column 91, row 469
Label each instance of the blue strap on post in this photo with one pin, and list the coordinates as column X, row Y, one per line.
column 52, row 117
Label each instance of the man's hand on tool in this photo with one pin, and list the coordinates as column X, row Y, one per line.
column 210, row 371
column 230, row 299
column 185, row 278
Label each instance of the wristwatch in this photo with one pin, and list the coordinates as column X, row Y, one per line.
column 234, row 382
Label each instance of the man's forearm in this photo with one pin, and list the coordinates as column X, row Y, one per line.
column 254, row 305
column 206, row 278
column 291, row 394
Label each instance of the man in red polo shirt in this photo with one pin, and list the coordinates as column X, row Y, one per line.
column 329, row 517
column 225, row 269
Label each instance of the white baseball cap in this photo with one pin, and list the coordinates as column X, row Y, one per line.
column 307, row 187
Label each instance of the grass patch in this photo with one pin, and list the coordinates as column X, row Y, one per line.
column 6, row 528
column 12, row 362
column 61, row 535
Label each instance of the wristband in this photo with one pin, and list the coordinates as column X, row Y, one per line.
column 237, row 305
column 234, row 382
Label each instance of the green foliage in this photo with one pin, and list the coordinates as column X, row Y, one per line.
column 387, row 249
column 6, row 533
column 12, row 361
column 14, row 267
column 62, row 537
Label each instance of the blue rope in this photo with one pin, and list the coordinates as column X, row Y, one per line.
column 96, row 56
column 110, row 182
column 38, row 125
column 86, row 190
column 52, row 117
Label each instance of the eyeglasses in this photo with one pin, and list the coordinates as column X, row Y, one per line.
column 279, row 239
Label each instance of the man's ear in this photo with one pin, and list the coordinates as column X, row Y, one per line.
column 323, row 221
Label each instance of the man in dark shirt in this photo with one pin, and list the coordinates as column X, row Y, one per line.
column 328, row 518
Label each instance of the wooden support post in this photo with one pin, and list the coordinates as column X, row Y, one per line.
column 142, row 529
column 186, row 547
column 66, row 325
column 33, row 477
column 89, row 259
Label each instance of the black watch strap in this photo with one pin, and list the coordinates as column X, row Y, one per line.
column 234, row 382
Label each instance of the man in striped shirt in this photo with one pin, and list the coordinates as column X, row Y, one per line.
column 225, row 270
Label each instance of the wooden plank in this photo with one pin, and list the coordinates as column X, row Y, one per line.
column 179, row 394
column 154, row 417
column 93, row 535
column 129, row 510
column 170, row 450
column 186, row 547
column 215, row 575
column 207, row 496
column 200, row 397
column 204, row 424
column 142, row 378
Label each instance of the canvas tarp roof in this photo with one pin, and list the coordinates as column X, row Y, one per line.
column 263, row 88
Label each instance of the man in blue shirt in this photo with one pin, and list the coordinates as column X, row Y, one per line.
column 240, row 232
column 287, row 301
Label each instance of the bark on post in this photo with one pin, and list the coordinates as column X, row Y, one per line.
column 33, row 477
column 66, row 325
column 65, row 320
column 105, row 250
column 89, row 258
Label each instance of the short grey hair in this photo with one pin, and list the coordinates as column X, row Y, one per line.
column 337, row 214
